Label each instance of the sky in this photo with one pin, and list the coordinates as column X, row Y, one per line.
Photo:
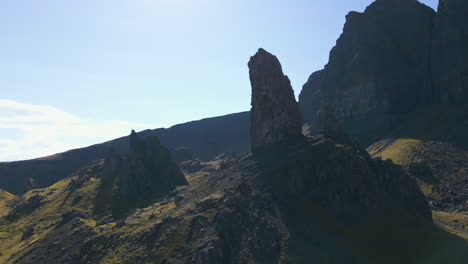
column 76, row 73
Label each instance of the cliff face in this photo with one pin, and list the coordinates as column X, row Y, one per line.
column 395, row 57
column 380, row 65
column 450, row 52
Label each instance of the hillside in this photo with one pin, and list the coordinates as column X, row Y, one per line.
column 5, row 197
column 237, row 213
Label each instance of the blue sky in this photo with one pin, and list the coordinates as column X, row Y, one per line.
column 74, row 73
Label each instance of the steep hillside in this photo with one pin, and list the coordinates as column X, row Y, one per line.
column 5, row 197
column 440, row 168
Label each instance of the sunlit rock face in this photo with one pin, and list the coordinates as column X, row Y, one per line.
column 275, row 114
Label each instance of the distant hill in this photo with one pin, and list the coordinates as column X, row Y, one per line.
column 206, row 138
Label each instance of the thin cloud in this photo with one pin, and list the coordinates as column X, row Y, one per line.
column 30, row 131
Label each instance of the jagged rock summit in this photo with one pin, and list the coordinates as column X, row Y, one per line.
column 275, row 115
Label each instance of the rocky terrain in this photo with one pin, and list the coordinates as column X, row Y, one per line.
column 304, row 200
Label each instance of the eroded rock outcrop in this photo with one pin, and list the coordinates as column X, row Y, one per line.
column 275, row 114
column 146, row 173
column 147, row 170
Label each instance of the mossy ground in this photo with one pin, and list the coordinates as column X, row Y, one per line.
column 5, row 197
column 60, row 198
column 455, row 223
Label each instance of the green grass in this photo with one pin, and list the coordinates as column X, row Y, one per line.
column 400, row 151
column 5, row 197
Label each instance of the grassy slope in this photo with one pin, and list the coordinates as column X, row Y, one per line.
column 58, row 199
column 406, row 151
column 4, row 198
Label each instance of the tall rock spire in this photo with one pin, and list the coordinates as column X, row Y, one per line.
column 275, row 115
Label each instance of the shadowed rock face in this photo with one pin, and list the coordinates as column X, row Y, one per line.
column 275, row 115
column 396, row 57
column 380, row 65
column 310, row 98
column 450, row 52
